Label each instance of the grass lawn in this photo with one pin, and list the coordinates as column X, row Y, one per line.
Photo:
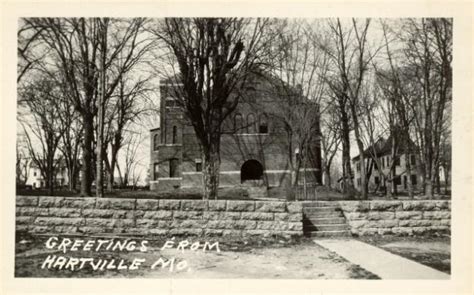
column 223, row 194
column 433, row 251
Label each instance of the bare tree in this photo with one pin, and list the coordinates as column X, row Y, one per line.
column 211, row 58
column 76, row 49
column 426, row 65
column 351, row 56
column 330, row 141
column 297, row 74
column 43, row 130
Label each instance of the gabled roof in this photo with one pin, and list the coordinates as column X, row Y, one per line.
column 383, row 147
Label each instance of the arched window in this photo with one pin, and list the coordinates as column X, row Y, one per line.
column 263, row 124
column 251, row 124
column 155, row 142
column 238, row 123
column 175, row 134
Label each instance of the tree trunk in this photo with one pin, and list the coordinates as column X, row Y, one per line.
column 86, row 181
column 212, row 163
column 346, row 158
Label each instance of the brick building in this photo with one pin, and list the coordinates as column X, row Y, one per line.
column 255, row 150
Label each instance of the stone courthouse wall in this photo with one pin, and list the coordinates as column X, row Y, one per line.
column 397, row 217
column 84, row 216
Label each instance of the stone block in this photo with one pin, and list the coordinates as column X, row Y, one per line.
column 384, row 231
column 146, row 223
column 159, row 231
column 232, row 233
column 98, row 213
column 259, row 215
column 402, row 231
column 121, row 204
column 367, row 231
column 295, row 226
column 187, row 223
column 418, row 205
column 437, row 215
column 90, row 229
column 66, row 229
column 445, row 222
column 147, row 205
column 382, row 223
column 408, row 215
column 64, row 212
column 217, row 205
column 240, row 205
column 270, row 206
column 377, row 215
column 40, row 229
column 186, row 231
column 277, row 225
column 100, row 222
column 193, row 205
column 355, row 215
column 385, row 205
column 416, row 222
column 288, row 216
column 354, row 206
column 220, row 224
column 27, row 211
column 169, row 204
column 122, row 223
column 53, row 221
column 294, row 207
column 257, row 232
column 22, row 201
column 213, row 232
column 419, row 230
column 187, row 214
column 160, row 214
column 358, row 223
column 84, row 203
column 50, row 201
column 442, row 205
column 25, row 220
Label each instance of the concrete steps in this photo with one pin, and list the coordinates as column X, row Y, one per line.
column 323, row 220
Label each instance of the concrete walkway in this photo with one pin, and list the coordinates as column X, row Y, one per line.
column 380, row 262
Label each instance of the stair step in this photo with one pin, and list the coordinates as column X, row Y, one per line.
column 322, row 221
column 320, row 209
column 325, row 227
column 329, row 214
column 317, row 204
column 327, row 234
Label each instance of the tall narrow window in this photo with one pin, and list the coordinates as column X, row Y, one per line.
column 198, row 165
column 175, row 134
column 155, row 171
column 251, row 124
column 413, row 159
column 263, row 124
column 238, row 123
column 174, row 163
column 155, row 142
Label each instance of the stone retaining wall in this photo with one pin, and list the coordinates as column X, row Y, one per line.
column 84, row 216
column 397, row 217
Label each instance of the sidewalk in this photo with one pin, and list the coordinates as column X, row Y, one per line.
column 380, row 262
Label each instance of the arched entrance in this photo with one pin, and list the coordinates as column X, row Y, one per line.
column 251, row 170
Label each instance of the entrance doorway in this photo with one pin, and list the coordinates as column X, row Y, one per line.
column 251, row 170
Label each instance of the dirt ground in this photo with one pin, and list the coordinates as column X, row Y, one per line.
column 433, row 251
column 270, row 258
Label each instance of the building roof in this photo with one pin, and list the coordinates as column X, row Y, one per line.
column 383, row 147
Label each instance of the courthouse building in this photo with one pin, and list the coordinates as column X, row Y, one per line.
column 255, row 149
